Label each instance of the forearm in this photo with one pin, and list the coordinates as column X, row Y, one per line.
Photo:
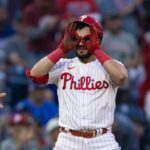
column 116, row 70
column 43, row 66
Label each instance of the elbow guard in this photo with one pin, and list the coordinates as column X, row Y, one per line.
column 38, row 80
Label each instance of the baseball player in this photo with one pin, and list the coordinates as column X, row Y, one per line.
column 2, row 95
column 87, row 86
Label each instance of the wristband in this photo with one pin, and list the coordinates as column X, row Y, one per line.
column 56, row 55
column 101, row 55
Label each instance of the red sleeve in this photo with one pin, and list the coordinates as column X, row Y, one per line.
column 38, row 80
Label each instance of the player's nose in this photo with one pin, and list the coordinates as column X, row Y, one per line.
column 81, row 43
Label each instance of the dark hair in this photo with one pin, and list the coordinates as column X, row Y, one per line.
column 80, row 25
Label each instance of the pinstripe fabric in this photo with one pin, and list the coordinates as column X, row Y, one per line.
column 86, row 101
column 104, row 142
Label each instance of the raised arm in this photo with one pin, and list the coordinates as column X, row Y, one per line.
column 43, row 66
column 115, row 69
column 39, row 72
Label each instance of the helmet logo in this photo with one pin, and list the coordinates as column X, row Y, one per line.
column 83, row 17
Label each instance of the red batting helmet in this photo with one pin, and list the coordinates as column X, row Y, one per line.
column 91, row 22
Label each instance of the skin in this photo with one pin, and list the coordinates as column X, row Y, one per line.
column 82, row 52
column 116, row 70
column 2, row 95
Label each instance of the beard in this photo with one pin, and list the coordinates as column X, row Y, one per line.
column 82, row 56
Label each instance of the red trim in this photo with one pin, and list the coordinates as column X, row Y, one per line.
column 38, row 80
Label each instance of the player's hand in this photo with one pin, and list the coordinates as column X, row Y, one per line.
column 70, row 39
column 2, row 95
column 91, row 41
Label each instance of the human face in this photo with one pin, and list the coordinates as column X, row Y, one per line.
column 22, row 133
column 37, row 96
column 114, row 25
column 81, row 51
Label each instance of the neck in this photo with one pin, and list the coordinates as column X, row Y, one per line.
column 88, row 60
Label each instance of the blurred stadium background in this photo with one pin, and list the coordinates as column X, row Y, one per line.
column 30, row 29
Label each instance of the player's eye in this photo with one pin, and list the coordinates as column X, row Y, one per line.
column 74, row 38
column 87, row 39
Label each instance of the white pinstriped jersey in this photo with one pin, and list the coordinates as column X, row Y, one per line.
column 86, row 94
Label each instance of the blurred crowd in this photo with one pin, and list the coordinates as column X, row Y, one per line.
column 30, row 29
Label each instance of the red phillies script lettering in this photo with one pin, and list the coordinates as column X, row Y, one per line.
column 84, row 83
